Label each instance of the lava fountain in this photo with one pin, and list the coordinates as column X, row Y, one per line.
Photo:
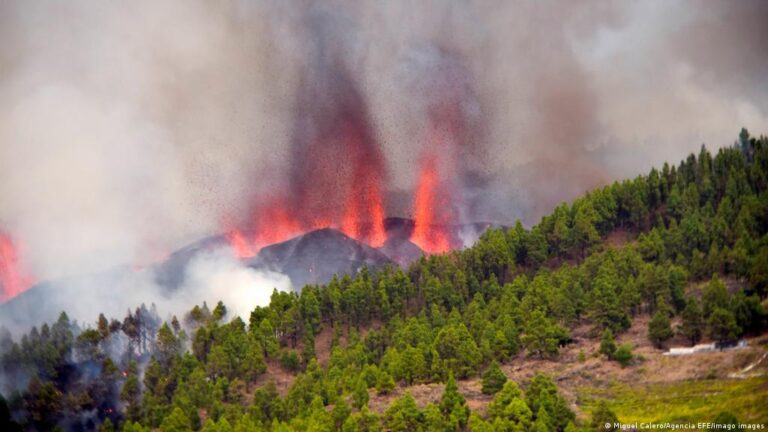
column 337, row 171
column 433, row 200
column 12, row 278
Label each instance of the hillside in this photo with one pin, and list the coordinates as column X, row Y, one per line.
column 560, row 327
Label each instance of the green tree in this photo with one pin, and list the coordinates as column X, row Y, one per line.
column 714, row 296
column 43, row 402
column 623, row 354
column 503, row 398
column 659, row 330
column 722, row 325
column 220, row 311
column 607, row 344
column 309, row 308
column 540, row 335
column 749, row 313
column 385, row 384
column 453, row 406
column 584, row 234
column 363, row 421
column 176, row 421
column 360, row 393
column 131, row 393
column 542, row 393
column 692, row 321
column 602, row 415
column 404, row 416
column 457, row 349
column 605, row 309
column 493, row 379
column 758, row 273
column 340, row 413
column 543, row 423
column 168, row 345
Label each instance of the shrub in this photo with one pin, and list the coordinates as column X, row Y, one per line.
column 290, row 360
column 608, row 344
column 623, row 355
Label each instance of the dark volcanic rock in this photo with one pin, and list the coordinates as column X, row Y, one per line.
column 401, row 250
column 317, row 255
column 398, row 247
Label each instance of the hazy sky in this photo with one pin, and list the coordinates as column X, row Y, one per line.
column 130, row 128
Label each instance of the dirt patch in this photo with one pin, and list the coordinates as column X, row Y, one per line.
column 618, row 238
column 282, row 378
column 431, row 393
column 323, row 345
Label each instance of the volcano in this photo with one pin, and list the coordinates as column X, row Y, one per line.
column 309, row 258
column 316, row 256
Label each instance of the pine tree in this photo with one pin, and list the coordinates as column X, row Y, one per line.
column 131, row 392
column 715, row 296
column 385, row 384
column 360, row 394
column 503, row 398
column 541, row 335
column 602, row 416
column 659, row 330
column 404, row 416
column 177, row 421
column 453, row 405
column 722, row 325
column 604, row 306
column 542, row 393
column 493, row 379
column 692, row 321
column 608, row 344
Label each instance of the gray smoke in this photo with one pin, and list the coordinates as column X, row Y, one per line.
column 129, row 129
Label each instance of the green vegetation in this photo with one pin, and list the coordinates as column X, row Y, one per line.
column 624, row 355
column 659, row 330
column 684, row 401
column 493, row 379
column 608, row 344
column 518, row 292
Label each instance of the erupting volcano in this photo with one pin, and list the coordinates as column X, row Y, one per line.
column 337, row 171
column 12, row 278
column 337, row 174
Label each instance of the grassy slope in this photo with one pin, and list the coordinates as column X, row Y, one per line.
column 683, row 401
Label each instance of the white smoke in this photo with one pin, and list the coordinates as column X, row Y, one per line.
column 210, row 276
column 218, row 275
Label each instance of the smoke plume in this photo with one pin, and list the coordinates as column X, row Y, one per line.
column 130, row 129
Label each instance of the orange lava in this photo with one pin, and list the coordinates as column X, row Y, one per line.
column 239, row 244
column 430, row 230
column 12, row 278
column 275, row 223
column 363, row 217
